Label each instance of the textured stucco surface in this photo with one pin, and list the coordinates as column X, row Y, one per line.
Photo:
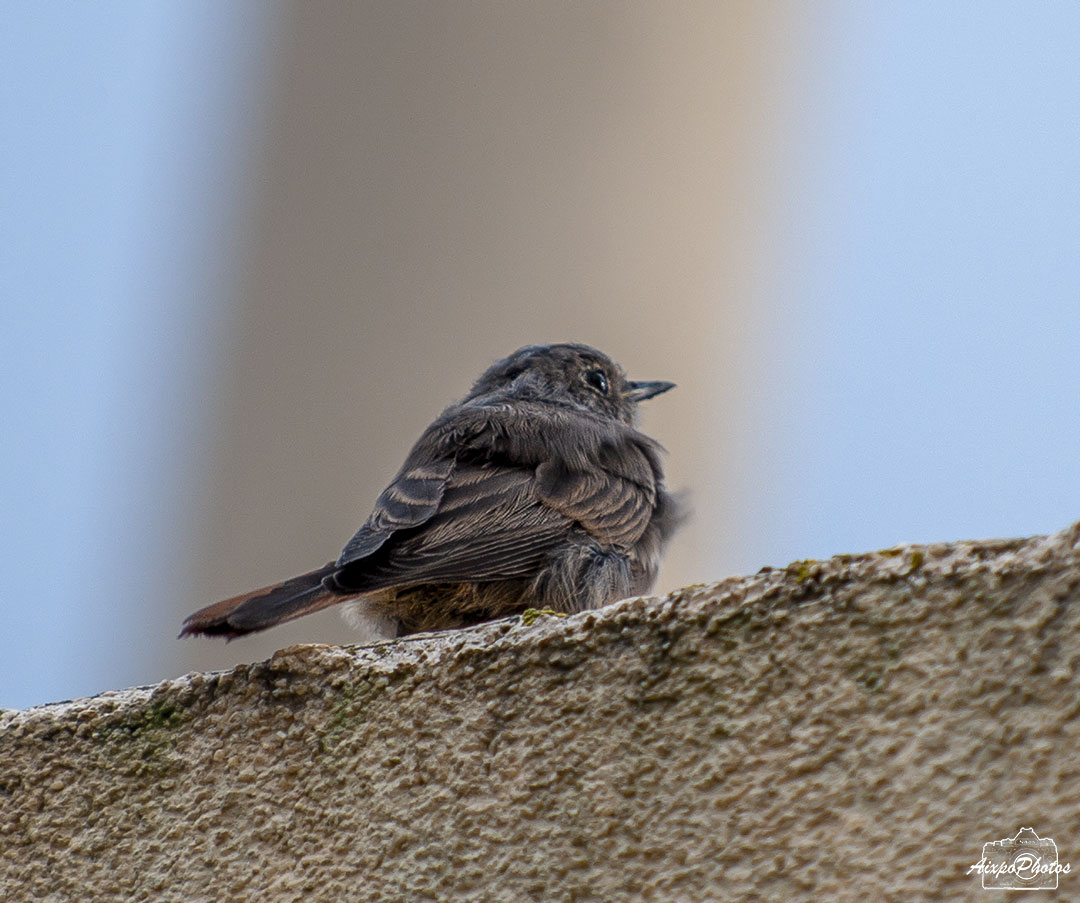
column 849, row 729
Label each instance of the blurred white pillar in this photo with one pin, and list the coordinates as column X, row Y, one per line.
column 446, row 182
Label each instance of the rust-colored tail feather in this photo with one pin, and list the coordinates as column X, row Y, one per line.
column 265, row 607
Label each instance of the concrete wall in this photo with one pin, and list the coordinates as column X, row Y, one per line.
column 842, row 730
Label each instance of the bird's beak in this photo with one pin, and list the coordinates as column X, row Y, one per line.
column 639, row 391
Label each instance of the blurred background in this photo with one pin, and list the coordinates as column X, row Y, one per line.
column 249, row 250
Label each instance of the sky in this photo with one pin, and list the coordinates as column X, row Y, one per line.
column 923, row 364
column 935, row 234
column 122, row 136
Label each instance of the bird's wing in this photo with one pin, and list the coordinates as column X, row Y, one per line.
column 486, row 497
column 488, row 524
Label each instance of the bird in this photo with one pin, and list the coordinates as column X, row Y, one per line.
column 536, row 491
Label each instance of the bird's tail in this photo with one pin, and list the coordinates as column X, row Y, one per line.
column 265, row 607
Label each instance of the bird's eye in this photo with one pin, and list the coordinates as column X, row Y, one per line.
column 598, row 380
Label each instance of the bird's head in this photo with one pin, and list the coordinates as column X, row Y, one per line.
column 575, row 376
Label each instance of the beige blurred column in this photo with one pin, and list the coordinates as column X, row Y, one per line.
column 443, row 182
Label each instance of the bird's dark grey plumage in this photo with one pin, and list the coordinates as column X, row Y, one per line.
column 535, row 491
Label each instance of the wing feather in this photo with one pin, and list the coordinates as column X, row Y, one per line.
column 408, row 502
column 613, row 508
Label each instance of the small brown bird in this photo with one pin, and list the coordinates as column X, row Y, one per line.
column 535, row 491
